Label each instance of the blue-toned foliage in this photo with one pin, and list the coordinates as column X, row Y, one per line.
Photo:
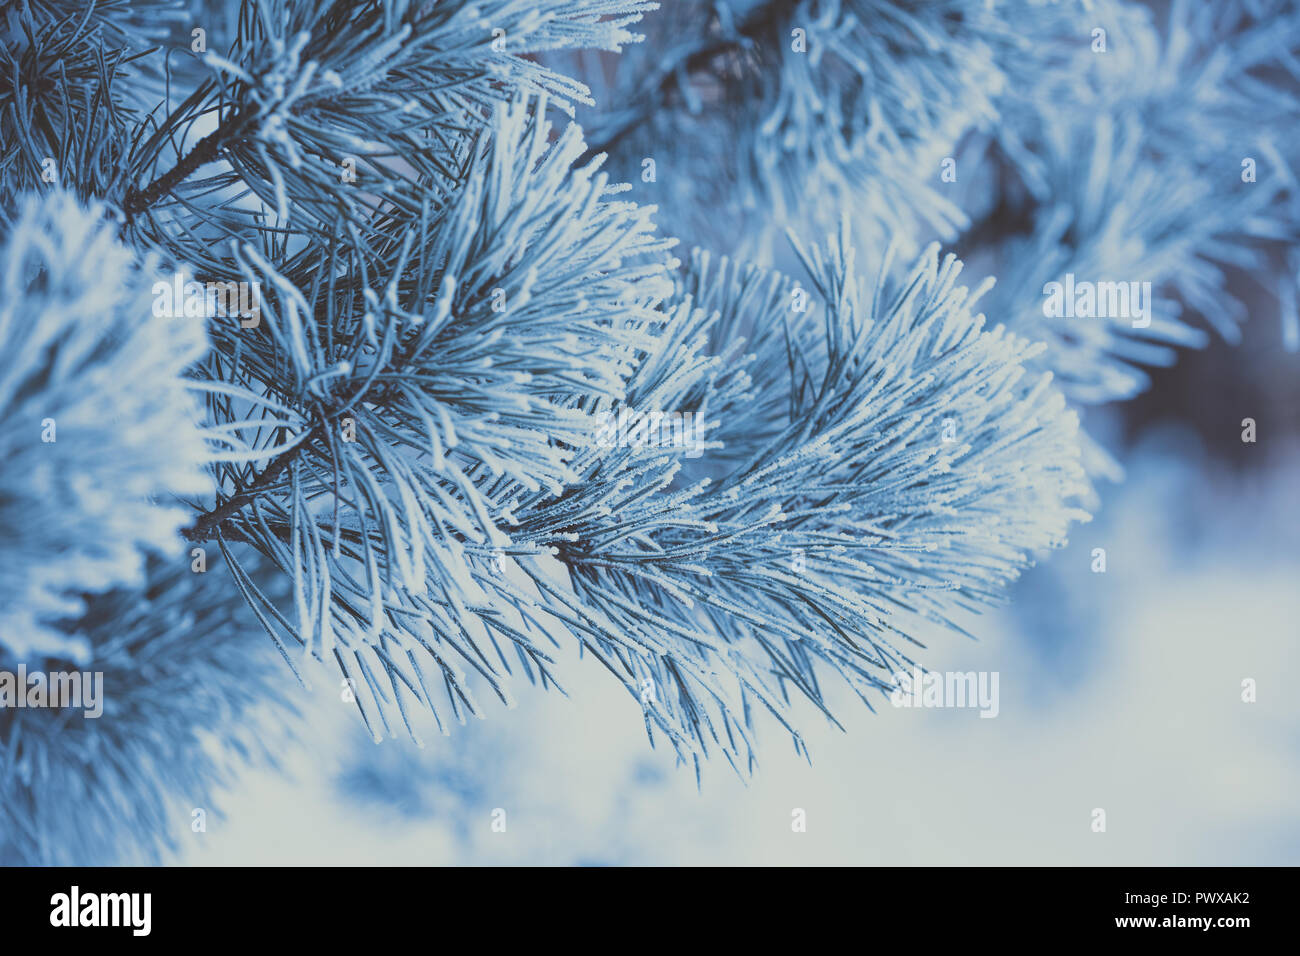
column 1176, row 168
column 472, row 363
column 761, row 115
column 1103, row 139
column 438, row 449
column 98, row 432
column 885, row 462
column 190, row 694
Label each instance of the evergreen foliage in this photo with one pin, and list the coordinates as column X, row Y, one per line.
column 491, row 399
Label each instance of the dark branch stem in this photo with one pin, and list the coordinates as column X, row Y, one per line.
column 205, row 151
column 208, row 522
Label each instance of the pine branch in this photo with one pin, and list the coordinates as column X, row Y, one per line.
column 208, row 523
column 91, row 364
column 504, row 331
column 205, row 151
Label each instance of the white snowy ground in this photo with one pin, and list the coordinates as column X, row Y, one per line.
column 1119, row 691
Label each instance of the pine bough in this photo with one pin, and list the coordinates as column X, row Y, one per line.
column 396, row 468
